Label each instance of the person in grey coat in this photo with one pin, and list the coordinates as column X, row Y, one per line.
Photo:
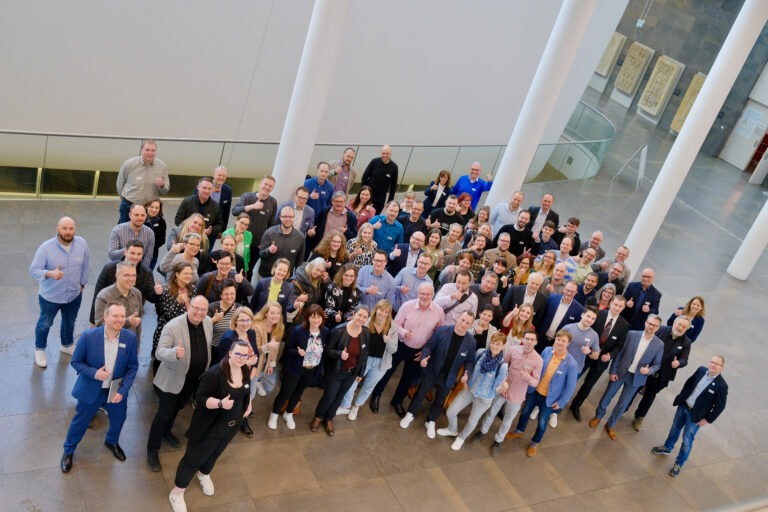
column 281, row 241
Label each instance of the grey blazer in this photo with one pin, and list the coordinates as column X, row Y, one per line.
column 172, row 372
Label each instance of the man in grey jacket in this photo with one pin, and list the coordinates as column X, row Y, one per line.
column 281, row 241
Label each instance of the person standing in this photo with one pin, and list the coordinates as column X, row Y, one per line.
column 437, row 192
column 134, row 229
column 122, row 292
column 387, row 229
column 156, row 223
column 506, row 213
column 60, row 265
column 342, row 175
column 642, row 300
column 320, row 189
column 700, row 402
column 222, row 193
column 202, row 203
column 281, row 241
column 141, row 179
column 374, row 281
column 261, row 207
column 472, row 184
column 382, row 176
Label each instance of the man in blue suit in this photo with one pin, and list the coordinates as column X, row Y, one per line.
column 103, row 357
column 642, row 299
column 700, row 402
column 441, row 358
column 406, row 255
column 303, row 214
column 639, row 357
column 222, row 193
column 559, row 311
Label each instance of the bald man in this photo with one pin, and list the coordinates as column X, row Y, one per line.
column 381, row 175
column 61, row 266
column 642, row 299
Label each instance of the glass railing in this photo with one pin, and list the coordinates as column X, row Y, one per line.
column 81, row 165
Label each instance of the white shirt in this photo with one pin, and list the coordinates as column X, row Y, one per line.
column 641, row 346
column 559, row 314
column 298, row 217
column 110, row 356
column 438, row 194
column 541, row 218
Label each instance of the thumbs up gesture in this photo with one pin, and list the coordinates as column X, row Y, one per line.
column 180, row 350
column 102, row 374
column 258, row 205
column 56, row 273
column 631, row 303
column 239, row 277
column 645, row 370
column 134, row 320
column 377, row 225
column 227, row 403
column 301, row 351
column 273, row 248
column 314, row 195
column 176, row 248
column 495, row 301
column 158, row 287
column 433, row 187
column 217, row 316
column 585, row 350
column 397, row 252
column 344, row 354
column 372, row 290
column 425, row 362
column 311, row 231
column 675, row 363
column 404, row 289
column 488, row 177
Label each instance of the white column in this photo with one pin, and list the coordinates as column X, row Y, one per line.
column 310, row 93
column 718, row 83
column 571, row 23
column 752, row 247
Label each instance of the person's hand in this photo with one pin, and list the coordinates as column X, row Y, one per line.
column 470, row 226
column 328, row 264
column 433, row 187
column 252, row 360
column 180, row 350
column 344, row 354
column 338, row 318
column 645, row 370
column 605, row 357
column 183, row 296
column 397, row 252
column 117, row 398
column 524, row 374
column 455, row 295
column 604, row 264
column 160, row 182
column 377, row 225
column 273, row 345
column 701, row 422
column 562, row 229
column 478, row 329
column 56, row 273
column 239, row 238
column 507, row 319
column 209, row 230
column 159, row 287
column 551, row 288
column 303, row 298
column 227, row 403
column 248, row 410
column 372, row 290
column 358, row 252
column 314, row 195
column 134, row 320
column 678, row 312
column 102, row 374
column 258, row 205
column 536, row 237
column 273, row 248
column 585, row 350
column 311, row 231
column 614, row 377
column 404, row 289
column 408, row 334
column 646, row 308
column 217, row 316
column 631, row 303
column 270, row 370
column 464, row 378
column 675, row 363
column 93, row 325
column 488, row 177
column 301, row 351
column 176, row 248
column 425, row 362
column 495, row 301
column 555, row 407
column 449, row 250
column 239, row 277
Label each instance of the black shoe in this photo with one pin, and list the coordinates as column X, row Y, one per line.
column 374, row 404
column 66, row 463
column 153, row 461
column 171, row 440
column 245, row 428
column 576, row 413
column 495, row 448
column 477, row 438
column 116, row 451
column 399, row 409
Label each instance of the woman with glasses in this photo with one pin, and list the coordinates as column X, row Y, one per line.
column 242, row 237
column 332, row 248
column 342, row 296
column 241, row 329
column 195, row 223
column 221, row 313
column 222, row 403
column 186, row 251
column 173, row 301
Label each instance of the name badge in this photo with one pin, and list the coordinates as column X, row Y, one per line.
column 280, row 295
column 559, row 372
column 389, row 175
column 680, row 347
column 349, row 300
column 293, row 250
column 463, row 353
column 389, row 238
column 121, row 345
column 474, row 189
column 323, row 193
column 613, row 337
column 587, row 340
column 363, row 345
column 246, row 386
column 711, row 391
column 262, row 212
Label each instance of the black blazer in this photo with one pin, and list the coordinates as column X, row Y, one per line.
column 396, row 265
column 213, row 384
column 514, row 297
column 429, row 197
column 635, row 316
column 710, row 403
column 338, row 340
column 551, row 215
column 680, row 349
column 619, row 330
column 292, row 361
column 602, row 278
column 320, row 220
column 285, row 297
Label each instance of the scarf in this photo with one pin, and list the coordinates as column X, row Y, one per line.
column 489, row 364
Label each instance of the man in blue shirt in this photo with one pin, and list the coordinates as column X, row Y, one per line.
column 61, row 266
column 407, row 282
column 374, row 280
column 473, row 185
column 320, row 189
column 387, row 231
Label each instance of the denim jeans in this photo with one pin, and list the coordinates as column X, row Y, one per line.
column 268, row 381
column 461, row 401
column 510, row 411
column 125, row 210
column 684, row 423
column 628, row 390
column 372, row 377
column 532, row 400
column 48, row 312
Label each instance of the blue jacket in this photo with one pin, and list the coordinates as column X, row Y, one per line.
column 325, row 190
column 437, row 350
column 292, row 361
column 710, row 403
column 651, row 357
column 475, row 189
column 225, row 203
column 483, row 385
column 286, row 297
column 697, row 324
column 429, row 197
column 635, row 315
column 395, row 265
column 89, row 357
column 320, row 220
column 563, row 382
column 573, row 314
column 307, row 221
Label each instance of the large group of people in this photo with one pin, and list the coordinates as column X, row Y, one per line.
column 498, row 307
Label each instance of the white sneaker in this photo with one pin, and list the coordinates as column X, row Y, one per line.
column 430, row 429
column 288, row 417
column 406, row 421
column 272, row 421
column 69, row 349
column 446, row 432
column 341, row 411
column 534, row 413
column 206, row 483
column 457, row 444
column 553, row 420
column 352, row 416
column 40, row 359
column 260, row 389
column 177, row 502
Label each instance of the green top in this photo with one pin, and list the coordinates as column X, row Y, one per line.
column 245, row 251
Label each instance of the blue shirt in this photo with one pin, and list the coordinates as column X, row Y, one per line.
column 705, row 381
column 74, row 264
column 475, row 189
column 388, row 234
column 325, row 191
column 384, row 283
column 406, row 276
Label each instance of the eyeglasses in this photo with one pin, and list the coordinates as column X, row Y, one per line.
column 240, row 355
column 244, row 320
column 198, row 309
column 379, row 261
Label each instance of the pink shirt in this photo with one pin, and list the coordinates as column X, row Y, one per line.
column 518, row 360
column 422, row 323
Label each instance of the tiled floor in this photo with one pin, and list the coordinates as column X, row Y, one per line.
column 374, row 465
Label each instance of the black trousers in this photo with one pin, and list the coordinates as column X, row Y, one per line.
column 291, row 389
column 254, row 258
column 168, row 407
column 378, row 203
column 202, row 455
column 336, row 386
column 425, row 386
column 411, row 370
column 543, row 343
column 653, row 386
column 593, row 369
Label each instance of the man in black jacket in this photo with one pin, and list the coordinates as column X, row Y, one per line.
column 700, row 402
column 520, row 236
column 520, row 294
column 381, row 176
column 201, row 202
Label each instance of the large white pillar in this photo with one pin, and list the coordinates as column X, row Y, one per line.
column 718, row 83
column 571, row 23
column 310, row 93
column 752, row 247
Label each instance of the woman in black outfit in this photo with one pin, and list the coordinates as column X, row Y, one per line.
column 223, row 399
column 173, row 301
column 156, row 223
column 301, row 361
column 344, row 359
column 342, row 296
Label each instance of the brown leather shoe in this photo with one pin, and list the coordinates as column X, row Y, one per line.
column 315, row 424
column 594, row 422
column 531, row 451
column 514, row 435
column 329, row 427
column 610, row 432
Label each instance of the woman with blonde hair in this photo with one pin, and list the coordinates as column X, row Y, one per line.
column 269, row 328
column 516, row 322
column 481, row 218
column 432, row 248
column 195, row 223
column 546, row 265
column 332, row 248
column 361, row 247
column 694, row 310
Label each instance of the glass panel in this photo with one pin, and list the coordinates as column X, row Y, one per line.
column 240, row 185
column 18, row 180
column 17, row 149
column 92, row 153
column 486, row 155
column 426, row 162
column 67, row 182
column 107, row 184
column 196, row 158
column 244, row 160
column 182, row 186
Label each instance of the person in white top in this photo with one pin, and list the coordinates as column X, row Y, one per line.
column 506, row 213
